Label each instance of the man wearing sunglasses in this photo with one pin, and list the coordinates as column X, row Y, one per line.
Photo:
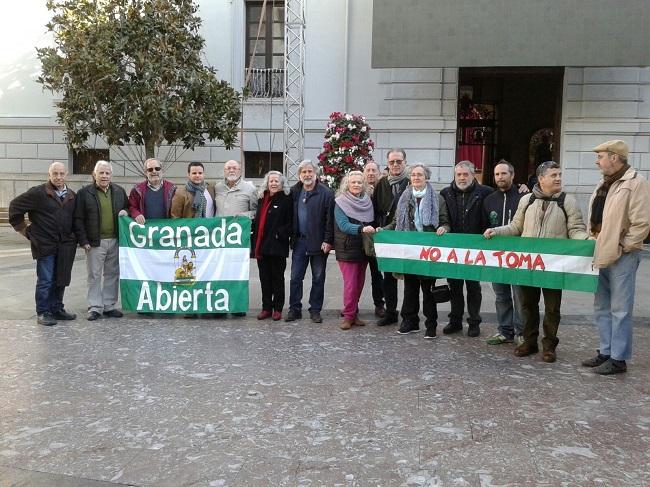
column 151, row 198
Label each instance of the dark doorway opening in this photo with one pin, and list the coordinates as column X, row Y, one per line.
column 509, row 113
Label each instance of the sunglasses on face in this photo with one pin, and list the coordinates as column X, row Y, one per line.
column 152, row 169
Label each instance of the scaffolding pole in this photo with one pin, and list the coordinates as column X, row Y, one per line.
column 294, row 82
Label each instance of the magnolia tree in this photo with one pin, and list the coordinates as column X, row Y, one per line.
column 130, row 71
column 347, row 147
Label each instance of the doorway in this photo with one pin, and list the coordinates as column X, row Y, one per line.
column 509, row 113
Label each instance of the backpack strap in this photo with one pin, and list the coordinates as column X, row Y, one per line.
column 560, row 202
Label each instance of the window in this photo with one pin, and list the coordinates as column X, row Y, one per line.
column 265, row 54
column 257, row 164
column 84, row 160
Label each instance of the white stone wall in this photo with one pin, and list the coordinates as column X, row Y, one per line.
column 602, row 104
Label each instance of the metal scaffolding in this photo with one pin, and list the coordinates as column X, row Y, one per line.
column 294, row 78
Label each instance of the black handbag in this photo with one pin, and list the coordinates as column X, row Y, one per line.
column 441, row 294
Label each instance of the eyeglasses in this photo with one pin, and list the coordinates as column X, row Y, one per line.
column 152, row 169
column 395, row 162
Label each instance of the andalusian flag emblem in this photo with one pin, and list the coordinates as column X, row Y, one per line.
column 540, row 262
column 189, row 265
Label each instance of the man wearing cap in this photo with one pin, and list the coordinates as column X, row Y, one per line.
column 619, row 220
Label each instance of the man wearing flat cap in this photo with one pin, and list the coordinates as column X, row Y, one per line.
column 619, row 220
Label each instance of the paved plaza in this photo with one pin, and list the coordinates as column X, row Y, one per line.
column 239, row 402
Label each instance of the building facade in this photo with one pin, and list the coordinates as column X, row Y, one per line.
column 521, row 105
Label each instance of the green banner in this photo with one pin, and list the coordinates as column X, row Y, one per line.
column 188, row 265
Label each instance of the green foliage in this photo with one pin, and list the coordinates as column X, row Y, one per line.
column 130, row 71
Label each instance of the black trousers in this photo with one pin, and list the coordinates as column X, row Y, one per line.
column 377, row 281
column 474, row 298
column 530, row 312
column 411, row 302
column 390, row 293
column 272, row 281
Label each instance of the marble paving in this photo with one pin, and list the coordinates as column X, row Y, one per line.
column 171, row 402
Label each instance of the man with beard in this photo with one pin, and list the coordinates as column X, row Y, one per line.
column 385, row 198
column 151, row 198
column 312, row 240
column 371, row 175
column 498, row 209
column 464, row 200
column 234, row 196
column 50, row 207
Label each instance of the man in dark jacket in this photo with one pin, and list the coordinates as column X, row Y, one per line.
column 98, row 206
column 50, row 207
column 385, row 198
column 152, row 198
column 498, row 209
column 313, row 237
column 464, row 200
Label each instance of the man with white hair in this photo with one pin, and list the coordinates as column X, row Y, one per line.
column 464, row 198
column 233, row 195
column 312, row 240
column 152, row 198
column 50, row 207
column 98, row 206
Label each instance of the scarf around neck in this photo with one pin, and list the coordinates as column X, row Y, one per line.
column 199, row 203
column 425, row 213
column 598, row 205
column 359, row 208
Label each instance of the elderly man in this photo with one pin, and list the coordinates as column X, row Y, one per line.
column 152, row 198
column 50, row 207
column 313, row 236
column 619, row 220
column 385, row 198
column 498, row 209
column 234, row 196
column 372, row 174
column 196, row 198
column 464, row 199
column 98, row 206
column 545, row 213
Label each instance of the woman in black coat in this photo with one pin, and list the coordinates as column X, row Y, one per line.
column 270, row 243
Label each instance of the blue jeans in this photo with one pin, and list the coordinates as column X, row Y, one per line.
column 48, row 296
column 613, row 306
column 299, row 261
column 508, row 306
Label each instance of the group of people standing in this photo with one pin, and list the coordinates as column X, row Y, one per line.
column 311, row 220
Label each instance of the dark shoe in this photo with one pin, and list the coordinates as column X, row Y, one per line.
column 293, row 315
column 239, row 315
column 380, row 311
column 473, row 331
column 549, row 356
column 264, row 314
column 276, row 316
column 452, row 328
column 611, row 367
column 388, row 319
column 525, row 350
column 191, row 317
column 407, row 328
column 430, row 334
column 93, row 315
column 114, row 313
column 595, row 361
column 63, row 315
column 46, row 319
column 316, row 317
